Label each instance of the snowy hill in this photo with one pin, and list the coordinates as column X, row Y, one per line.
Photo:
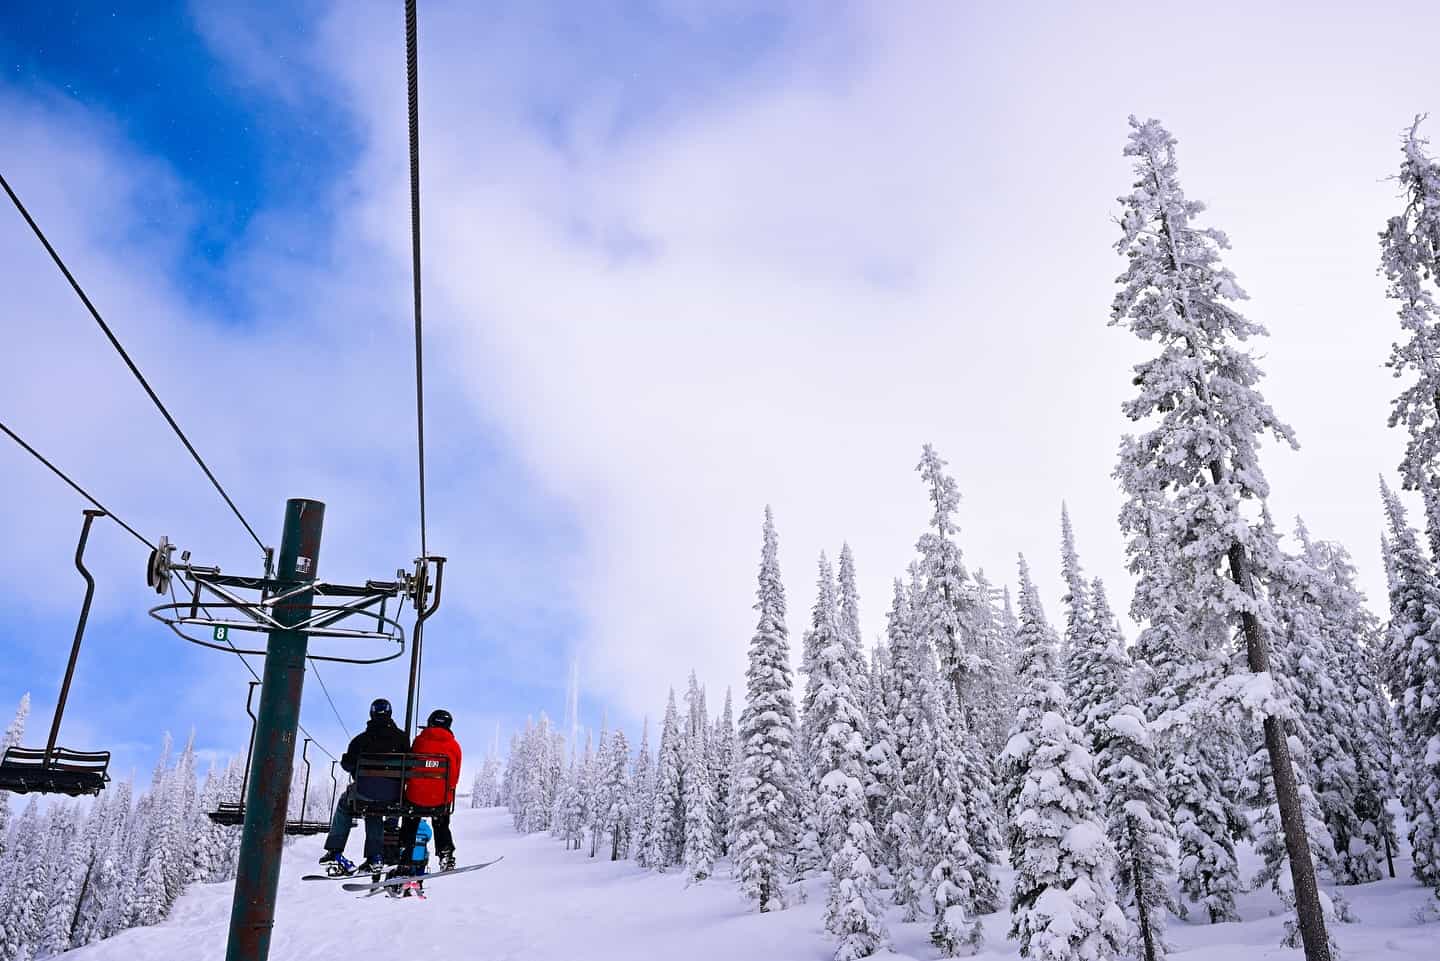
column 543, row 903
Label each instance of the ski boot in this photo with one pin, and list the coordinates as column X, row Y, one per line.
column 372, row 868
column 337, row 865
column 447, row 860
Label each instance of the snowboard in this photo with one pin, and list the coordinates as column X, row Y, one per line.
column 406, row 879
column 331, row 877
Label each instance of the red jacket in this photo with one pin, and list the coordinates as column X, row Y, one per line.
column 427, row 791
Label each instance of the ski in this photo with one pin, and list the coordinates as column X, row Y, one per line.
column 410, row 878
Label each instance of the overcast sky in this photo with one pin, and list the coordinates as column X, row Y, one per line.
column 683, row 259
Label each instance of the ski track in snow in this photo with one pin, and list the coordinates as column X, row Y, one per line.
column 543, row 903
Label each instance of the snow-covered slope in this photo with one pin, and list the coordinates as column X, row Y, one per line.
column 543, row 903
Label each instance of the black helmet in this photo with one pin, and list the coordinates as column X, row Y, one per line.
column 440, row 718
column 380, row 708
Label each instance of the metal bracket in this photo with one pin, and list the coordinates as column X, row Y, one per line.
column 217, row 601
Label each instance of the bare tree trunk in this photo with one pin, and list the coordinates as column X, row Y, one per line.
column 1287, row 794
column 1141, row 907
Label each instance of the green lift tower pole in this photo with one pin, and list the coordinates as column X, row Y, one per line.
column 252, row 914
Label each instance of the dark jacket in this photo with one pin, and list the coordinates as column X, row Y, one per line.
column 380, row 736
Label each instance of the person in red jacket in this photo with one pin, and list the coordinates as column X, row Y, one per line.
column 434, row 738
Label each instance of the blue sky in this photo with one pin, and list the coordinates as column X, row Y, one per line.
column 683, row 259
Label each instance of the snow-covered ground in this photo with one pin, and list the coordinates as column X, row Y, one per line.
column 543, row 903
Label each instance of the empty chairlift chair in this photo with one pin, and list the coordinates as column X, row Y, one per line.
column 54, row 769
column 302, row 826
column 232, row 813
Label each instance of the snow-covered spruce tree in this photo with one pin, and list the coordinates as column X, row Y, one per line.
column 568, row 824
column 24, row 900
column 642, row 799
column 1207, row 418
column 1173, row 669
column 1358, row 635
column 949, row 622
column 1063, row 905
column 1077, row 594
column 1137, row 819
column 824, row 656
column 615, row 793
column 1137, row 816
column 958, row 878
column 1036, row 645
column 994, row 694
column 903, row 811
column 853, row 911
column 764, row 792
column 722, row 774
column 828, row 693
column 943, row 607
column 1316, row 624
column 699, row 792
column 1415, row 651
column 13, row 733
column 882, row 757
column 666, row 843
column 848, row 612
column 1410, row 261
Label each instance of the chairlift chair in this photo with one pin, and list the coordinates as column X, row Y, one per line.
column 55, row 769
column 302, row 826
column 232, row 813
column 380, row 781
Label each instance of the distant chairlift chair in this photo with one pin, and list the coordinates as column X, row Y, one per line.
column 232, row 813
column 60, row 770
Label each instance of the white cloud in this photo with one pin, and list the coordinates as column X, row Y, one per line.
column 779, row 292
column 772, row 288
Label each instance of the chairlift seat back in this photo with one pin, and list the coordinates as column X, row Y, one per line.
column 380, row 781
column 74, row 773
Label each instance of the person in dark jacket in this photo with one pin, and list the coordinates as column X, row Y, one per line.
column 434, row 739
column 380, row 736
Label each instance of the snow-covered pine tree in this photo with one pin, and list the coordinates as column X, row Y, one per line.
column 1410, row 260
column 1415, row 650
column 882, row 757
column 1063, row 905
column 1173, row 668
column 69, row 858
column 24, row 900
column 699, row 793
column 151, row 901
column 827, row 691
column 848, row 621
column 13, row 733
column 1207, row 419
column 764, row 791
column 642, row 799
column 722, row 774
column 837, row 755
column 1035, row 643
column 950, row 619
column 958, row 878
column 596, row 806
column 942, row 611
column 1357, row 632
column 1076, row 598
column 568, row 822
column 616, row 793
column 666, row 843
column 1138, row 820
column 994, row 695
column 1137, row 816
column 904, row 809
